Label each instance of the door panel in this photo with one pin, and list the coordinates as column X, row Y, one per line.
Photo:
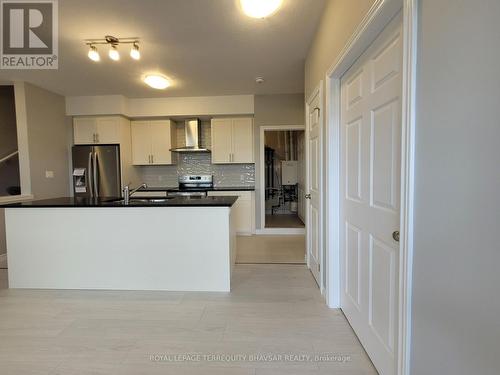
column 242, row 147
column 370, row 183
column 314, row 187
column 381, row 305
column 353, row 265
column 353, row 160
column 221, row 141
column 141, row 143
column 161, row 142
column 385, row 136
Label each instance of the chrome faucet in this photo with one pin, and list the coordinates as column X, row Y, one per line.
column 127, row 192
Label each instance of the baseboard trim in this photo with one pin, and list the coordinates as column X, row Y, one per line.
column 280, row 231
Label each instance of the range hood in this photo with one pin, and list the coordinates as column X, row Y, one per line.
column 192, row 137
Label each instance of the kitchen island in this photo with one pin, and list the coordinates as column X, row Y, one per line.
column 176, row 244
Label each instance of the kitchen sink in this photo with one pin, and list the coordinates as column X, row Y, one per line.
column 134, row 201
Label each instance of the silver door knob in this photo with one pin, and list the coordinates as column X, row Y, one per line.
column 395, row 235
column 307, row 196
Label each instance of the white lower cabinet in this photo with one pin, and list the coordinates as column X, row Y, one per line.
column 243, row 210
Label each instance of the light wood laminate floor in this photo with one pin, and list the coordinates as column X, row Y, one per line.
column 272, row 310
column 271, row 249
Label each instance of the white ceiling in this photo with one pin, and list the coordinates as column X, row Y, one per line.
column 207, row 47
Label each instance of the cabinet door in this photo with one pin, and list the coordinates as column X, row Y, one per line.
column 221, row 141
column 161, row 142
column 84, row 130
column 141, row 143
column 108, row 130
column 242, row 141
column 243, row 210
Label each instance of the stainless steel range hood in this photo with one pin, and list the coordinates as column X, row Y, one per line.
column 192, row 137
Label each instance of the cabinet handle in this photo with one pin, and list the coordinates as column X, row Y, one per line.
column 152, row 159
column 93, row 137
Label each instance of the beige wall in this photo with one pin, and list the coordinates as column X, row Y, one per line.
column 456, row 249
column 340, row 19
column 48, row 142
column 272, row 110
column 48, row 147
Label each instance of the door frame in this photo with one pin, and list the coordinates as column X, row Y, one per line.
column 377, row 18
column 263, row 230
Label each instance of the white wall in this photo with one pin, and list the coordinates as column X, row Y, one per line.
column 272, row 110
column 154, row 107
column 456, row 308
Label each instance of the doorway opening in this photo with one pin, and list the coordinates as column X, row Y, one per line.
column 284, row 179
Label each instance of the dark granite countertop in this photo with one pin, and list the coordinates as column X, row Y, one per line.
column 215, row 188
column 222, row 201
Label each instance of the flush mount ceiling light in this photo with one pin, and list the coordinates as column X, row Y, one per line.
column 113, row 43
column 260, row 8
column 157, row 81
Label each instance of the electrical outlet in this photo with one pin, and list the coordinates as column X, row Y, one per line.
column 49, row 174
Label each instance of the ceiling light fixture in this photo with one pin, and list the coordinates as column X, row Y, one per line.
column 134, row 52
column 260, row 8
column 157, row 81
column 113, row 43
column 93, row 54
column 113, row 53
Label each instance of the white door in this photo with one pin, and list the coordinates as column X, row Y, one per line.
column 242, row 147
column 161, row 142
column 221, row 140
column 84, row 130
column 314, row 187
column 141, row 143
column 370, row 182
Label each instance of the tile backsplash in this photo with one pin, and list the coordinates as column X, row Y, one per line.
column 199, row 163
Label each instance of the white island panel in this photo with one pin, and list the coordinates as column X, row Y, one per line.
column 143, row 248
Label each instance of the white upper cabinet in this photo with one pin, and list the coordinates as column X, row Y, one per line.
column 141, row 143
column 152, row 141
column 243, row 140
column 221, row 140
column 96, row 130
column 232, row 141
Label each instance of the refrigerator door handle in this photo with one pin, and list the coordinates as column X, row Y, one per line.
column 96, row 183
column 90, row 183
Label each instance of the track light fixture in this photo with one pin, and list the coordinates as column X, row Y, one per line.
column 113, row 43
column 134, row 52
column 93, row 54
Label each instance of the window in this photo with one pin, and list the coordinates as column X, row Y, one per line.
column 9, row 152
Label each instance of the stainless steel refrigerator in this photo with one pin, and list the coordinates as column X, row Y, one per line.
column 96, row 171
